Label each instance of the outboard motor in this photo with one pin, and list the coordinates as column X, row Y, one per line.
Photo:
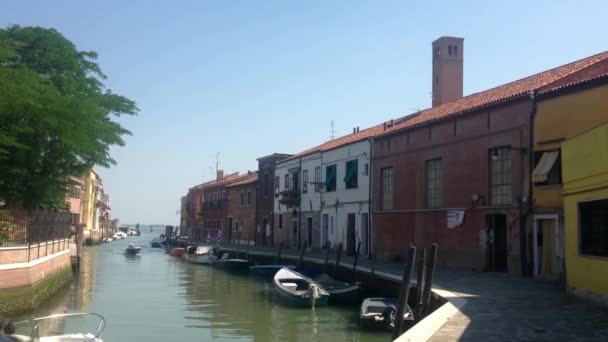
column 313, row 294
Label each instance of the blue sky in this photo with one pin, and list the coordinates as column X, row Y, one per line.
column 249, row 78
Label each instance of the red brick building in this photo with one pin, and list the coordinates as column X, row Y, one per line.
column 458, row 174
column 265, row 198
column 241, row 209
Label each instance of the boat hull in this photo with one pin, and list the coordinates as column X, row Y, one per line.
column 236, row 265
column 371, row 315
column 202, row 259
column 133, row 250
column 293, row 288
column 299, row 301
column 267, row 271
column 177, row 251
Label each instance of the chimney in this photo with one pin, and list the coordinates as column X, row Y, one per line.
column 357, row 129
column 354, row 130
column 447, row 69
column 220, row 175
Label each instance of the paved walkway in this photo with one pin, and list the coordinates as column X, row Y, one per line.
column 499, row 307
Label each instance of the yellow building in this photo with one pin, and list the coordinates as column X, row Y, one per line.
column 90, row 212
column 585, row 176
column 561, row 114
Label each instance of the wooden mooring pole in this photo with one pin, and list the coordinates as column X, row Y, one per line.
column 428, row 281
column 354, row 276
column 338, row 256
column 373, row 266
column 277, row 258
column 327, row 251
column 421, row 269
column 302, row 254
column 404, row 292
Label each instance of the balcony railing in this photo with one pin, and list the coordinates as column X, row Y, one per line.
column 290, row 198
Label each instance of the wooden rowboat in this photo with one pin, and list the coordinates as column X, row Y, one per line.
column 296, row 289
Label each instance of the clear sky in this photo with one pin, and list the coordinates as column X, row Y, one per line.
column 250, row 78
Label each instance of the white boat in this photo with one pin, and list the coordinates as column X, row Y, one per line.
column 199, row 255
column 37, row 335
column 108, row 239
column 299, row 290
column 120, row 235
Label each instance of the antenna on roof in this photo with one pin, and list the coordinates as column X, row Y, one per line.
column 332, row 131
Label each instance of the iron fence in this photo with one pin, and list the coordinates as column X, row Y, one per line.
column 21, row 227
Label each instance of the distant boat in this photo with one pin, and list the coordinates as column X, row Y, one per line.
column 379, row 313
column 340, row 292
column 233, row 264
column 268, row 271
column 199, row 255
column 299, row 290
column 132, row 250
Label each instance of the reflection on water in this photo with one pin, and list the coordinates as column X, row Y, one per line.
column 155, row 297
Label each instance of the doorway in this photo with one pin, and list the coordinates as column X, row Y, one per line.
column 309, row 232
column 365, row 234
column 229, row 237
column 294, row 234
column 324, row 230
column 350, row 234
column 546, row 251
column 496, row 225
column 265, row 231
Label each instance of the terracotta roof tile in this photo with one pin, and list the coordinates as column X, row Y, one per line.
column 523, row 86
column 246, row 179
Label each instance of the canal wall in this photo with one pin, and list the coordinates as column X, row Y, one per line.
column 29, row 275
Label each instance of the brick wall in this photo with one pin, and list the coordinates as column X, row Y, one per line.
column 244, row 214
column 36, row 271
column 10, row 255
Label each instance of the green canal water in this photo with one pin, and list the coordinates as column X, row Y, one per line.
column 156, row 297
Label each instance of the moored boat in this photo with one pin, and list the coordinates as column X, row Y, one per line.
column 156, row 243
column 340, row 292
column 267, row 271
column 379, row 313
column 36, row 335
column 296, row 289
column 233, row 264
column 177, row 251
column 199, row 255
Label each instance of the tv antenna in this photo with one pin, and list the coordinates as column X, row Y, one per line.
column 332, row 130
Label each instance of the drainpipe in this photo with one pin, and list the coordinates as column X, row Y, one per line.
column 524, row 212
column 369, row 198
column 300, row 204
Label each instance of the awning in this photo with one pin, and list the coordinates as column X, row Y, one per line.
column 544, row 166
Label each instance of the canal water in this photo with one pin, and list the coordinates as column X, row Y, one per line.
column 156, row 297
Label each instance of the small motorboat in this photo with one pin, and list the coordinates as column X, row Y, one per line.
column 199, row 255
column 340, row 292
column 108, row 239
column 177, row 251
column 379, row 313
column 267, row 271
column 296, row 289
column 132, row 250
column 233, row 264
column 37, row 335
column 121, row 235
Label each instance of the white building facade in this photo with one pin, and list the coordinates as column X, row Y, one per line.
column 323, row 197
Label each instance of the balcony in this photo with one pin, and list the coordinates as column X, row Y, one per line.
column 289, row 198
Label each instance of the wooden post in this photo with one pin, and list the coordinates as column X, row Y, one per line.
column 428, row 281
column 327, row 251
column 302, row 254
column 338, row 256
column 278, row 256
column 404, row 292
column 356, row 259
column 373, row 266
column 421, row 268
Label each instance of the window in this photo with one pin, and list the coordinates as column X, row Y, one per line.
column 249, row 198
column 455, row 50
column 305, row 180
column 449, row 50
column 330, row 178
column 277, row 185
column 350, row 179
column 74, row 192
column 266, row 185
column 317, row 178
column 593, row 221
column 437, row 51
column 387, row 188
column 366, row 169
column 242, row 198
column 280, row 221
column 236, row 225
column 287, row 182
column 500, row 176
column 433, row 183
column 225, row 194
column 547, row 168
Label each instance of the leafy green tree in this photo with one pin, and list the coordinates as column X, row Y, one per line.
column 56, row 118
